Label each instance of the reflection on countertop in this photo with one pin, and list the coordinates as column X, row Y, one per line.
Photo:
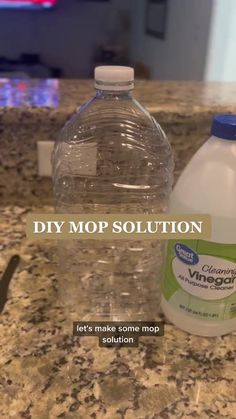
column 16, row 93
column 48, row 373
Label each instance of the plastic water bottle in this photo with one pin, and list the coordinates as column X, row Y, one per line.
column 111, row 157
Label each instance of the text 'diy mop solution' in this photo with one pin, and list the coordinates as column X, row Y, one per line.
column 112, row 158
column 199, row 288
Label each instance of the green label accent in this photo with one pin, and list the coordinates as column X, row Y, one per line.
column 200, row 278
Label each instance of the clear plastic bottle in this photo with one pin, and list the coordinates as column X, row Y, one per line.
column 111, row 157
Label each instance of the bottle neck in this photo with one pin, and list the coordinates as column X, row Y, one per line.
column 113, row 94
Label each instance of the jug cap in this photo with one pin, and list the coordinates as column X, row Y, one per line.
column 224, row 126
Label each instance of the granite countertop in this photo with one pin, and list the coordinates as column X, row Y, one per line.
column 58, row 99
column 48, row 373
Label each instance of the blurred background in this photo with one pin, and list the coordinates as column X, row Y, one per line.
column 162, row 39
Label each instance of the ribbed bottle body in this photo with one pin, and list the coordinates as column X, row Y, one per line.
column 111, row 157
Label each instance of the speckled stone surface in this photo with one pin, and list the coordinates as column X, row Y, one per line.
column 184, row 109
column 47, row 373
column 174, row 99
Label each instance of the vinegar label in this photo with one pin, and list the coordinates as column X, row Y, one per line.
column 200, row 278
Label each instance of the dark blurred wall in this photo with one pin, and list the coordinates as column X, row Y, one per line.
column 65, row 37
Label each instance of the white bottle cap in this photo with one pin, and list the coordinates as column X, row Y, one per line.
column 113, row 77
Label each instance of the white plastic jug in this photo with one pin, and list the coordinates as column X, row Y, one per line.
column 199, row 288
